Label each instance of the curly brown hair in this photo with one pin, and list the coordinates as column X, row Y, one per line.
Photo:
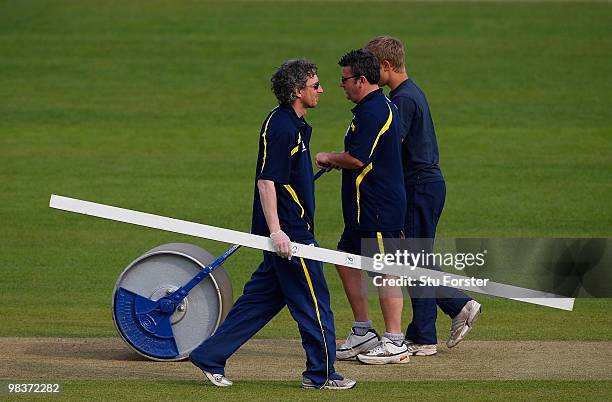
column 291, row 75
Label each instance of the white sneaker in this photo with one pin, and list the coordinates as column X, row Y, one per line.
column 218, row 379
column 356, row 344
column 344, row 383
column 417, row 349
column 386, row 352
column 463, row 322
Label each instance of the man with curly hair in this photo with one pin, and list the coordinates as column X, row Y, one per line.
column 283, row 209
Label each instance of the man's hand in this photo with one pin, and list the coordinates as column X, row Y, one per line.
column 282, row 244
column 322, row 160
column 267, row 194
column 337, row 160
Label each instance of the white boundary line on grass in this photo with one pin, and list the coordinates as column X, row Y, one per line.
column 299, row 250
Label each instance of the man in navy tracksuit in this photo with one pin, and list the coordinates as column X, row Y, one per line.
column 425, row 194
column 373, row 206
column 283, row 208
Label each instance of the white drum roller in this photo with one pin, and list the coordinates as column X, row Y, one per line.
column 158, row 274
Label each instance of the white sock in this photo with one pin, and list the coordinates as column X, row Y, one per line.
column 398, row 339
column 361, row 327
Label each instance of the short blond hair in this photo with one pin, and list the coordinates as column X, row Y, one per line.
column 390, row 49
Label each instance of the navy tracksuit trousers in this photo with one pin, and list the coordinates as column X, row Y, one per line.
column 300, row 285
column 425, row 204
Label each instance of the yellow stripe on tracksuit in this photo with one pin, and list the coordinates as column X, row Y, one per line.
column 265, row 144
column 381, row 244
column 383, row 130
column 293, row 194
column 369, row 167
column 297, row 147
column 316, row 304
column 358, row 183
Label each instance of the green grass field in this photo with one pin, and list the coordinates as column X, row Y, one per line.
column 156, row 106
column 275, row 390
column 424, row 390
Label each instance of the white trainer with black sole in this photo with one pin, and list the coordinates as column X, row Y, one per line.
column 356, row 344
column 344, row 383
column 386, row 352
column 463, row 322
column 417, row 349
column 217, row 379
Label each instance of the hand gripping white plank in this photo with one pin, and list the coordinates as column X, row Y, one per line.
column 299, row 250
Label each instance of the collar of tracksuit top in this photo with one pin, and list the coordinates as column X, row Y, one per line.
column 365, row 99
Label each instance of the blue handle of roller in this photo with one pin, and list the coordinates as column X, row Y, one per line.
column 319, row 174
column 182, row 292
